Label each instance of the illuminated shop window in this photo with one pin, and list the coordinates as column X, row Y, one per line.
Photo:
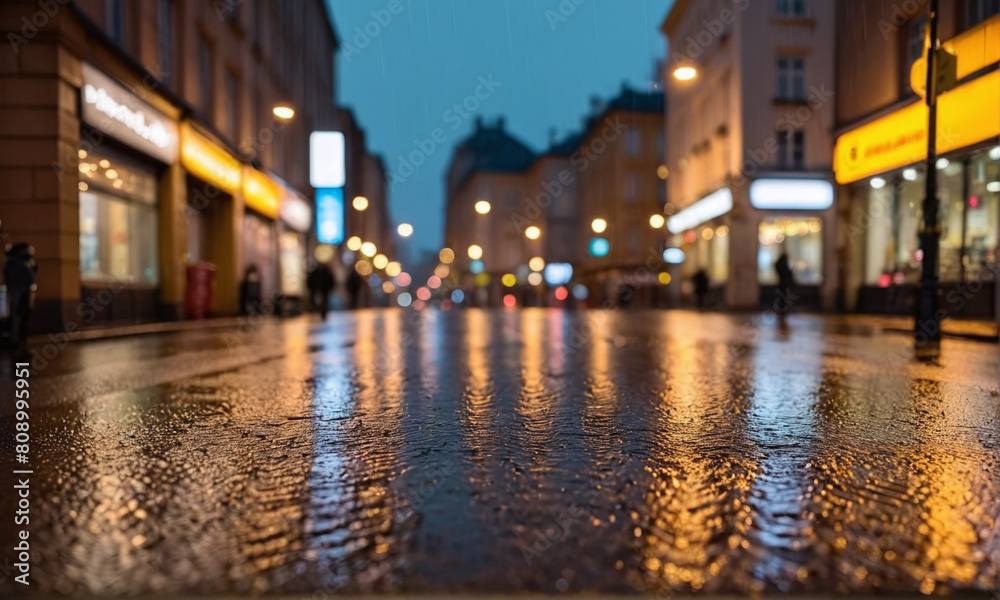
column 802, row 239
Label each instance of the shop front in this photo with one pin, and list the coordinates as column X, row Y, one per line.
column 214, row 208
column 296, row 221
column 126, row 145
column 881, row 168
column 262, row 201
column 733, row 238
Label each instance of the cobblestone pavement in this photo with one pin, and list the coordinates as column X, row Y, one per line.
column 475, row 451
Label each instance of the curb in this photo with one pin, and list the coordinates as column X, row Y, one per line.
column 134, row 330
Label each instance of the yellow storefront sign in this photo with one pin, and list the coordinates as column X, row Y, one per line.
column 967, row 115
column 204, row 159
column 261, row 193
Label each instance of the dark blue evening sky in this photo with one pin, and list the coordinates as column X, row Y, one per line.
column 432, row 54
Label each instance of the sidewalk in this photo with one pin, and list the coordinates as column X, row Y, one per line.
column 979, row 331
column 101, row 333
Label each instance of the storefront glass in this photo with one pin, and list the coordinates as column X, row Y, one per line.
column 801, row 239
column 259, row 249
column 293, row 260
column 968, row 226
column 118, row 229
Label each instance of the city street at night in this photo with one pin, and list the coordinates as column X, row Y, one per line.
column 608, row 451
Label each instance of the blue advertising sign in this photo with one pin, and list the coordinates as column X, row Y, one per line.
column 330, row 215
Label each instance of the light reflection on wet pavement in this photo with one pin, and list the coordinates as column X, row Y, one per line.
column 521, row 450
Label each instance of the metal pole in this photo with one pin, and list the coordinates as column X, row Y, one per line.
column 927, row 330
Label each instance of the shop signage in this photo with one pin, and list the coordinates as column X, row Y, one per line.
column 330, row 215
column 967, row 115
column 295, row 212
column 711, row 206
column 261, row 193
column 326, row 159
column 791, row 194
column 109, row 107
column 204, row 159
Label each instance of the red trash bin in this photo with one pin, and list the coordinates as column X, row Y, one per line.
column 200, row 281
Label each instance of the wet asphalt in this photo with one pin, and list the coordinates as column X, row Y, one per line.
column 538, row 450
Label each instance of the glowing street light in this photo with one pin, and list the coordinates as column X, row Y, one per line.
column 483, row 207
column 283, row 111
column 354, row 243
column 533, row 233
column 404, row 230
column 598, row 225
column 369, row 249
column 685, row 73
column 536, row 264
column 657, row 221
column 475, row 252
column 360, row 203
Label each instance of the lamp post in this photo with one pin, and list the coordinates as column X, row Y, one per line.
column 928, row 321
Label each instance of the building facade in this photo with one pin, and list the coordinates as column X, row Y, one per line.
column 139, row 138
column 882, row 147
column 750, row 125
column 619, row 235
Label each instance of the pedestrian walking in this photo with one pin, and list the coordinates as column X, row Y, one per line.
column 786, row 281
column 700, row 280
column 20, row 274
column 250, row 293
column 321, row 282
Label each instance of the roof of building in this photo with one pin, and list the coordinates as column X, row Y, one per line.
column 628, row 100
column 490, row 148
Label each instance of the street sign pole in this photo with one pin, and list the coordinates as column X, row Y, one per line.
column 927, row 329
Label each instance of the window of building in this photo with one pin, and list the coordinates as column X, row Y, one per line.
column 115, row 19
column 633, row 142
column 982, row 214
column 205, row 74
column 232, row 104
column 632, row 185
column 968, row 225
column 980, row 10
column 510, row 200
column 165, row 43
column 118, row 230
column 633, row 239
column 791, row 79
column 801, row 239
column 791, row 8
column 791, row 149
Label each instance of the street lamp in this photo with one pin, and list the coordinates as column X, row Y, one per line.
column 404, row 230
column 685, row 73
column 283, row 110
column 475, row 252
column 598, row 225
column 483, row 207
column 533, row 233
column 360, row 203
column 657, row 221
column 369, row 249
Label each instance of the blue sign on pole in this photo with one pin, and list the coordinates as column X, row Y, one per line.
column 330, row 215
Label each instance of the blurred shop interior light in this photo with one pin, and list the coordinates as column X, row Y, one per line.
column 674, row 256
column 711, row 206
column 791, row 194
